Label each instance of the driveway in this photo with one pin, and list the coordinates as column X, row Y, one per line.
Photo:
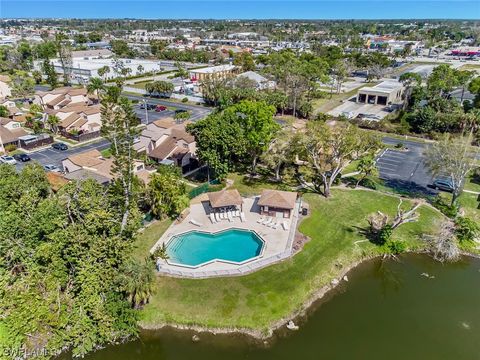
column 405, row 169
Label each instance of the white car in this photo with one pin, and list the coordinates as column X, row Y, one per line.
column 52, row 168
column 8, row 160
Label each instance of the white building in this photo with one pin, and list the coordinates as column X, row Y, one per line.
column 385, row 93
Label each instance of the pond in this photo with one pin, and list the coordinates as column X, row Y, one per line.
column 387, row 310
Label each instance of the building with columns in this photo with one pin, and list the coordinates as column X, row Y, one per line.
column 385, row 93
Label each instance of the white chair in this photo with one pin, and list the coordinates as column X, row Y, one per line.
column 229, row 216
column 237, row 213
column 212, row 218
column 272, row 224
column 260, row 220
column 267, row 222
column 285, row 226
column 242, row 217
column 194, row 222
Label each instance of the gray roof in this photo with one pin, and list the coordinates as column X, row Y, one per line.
column 83, row 174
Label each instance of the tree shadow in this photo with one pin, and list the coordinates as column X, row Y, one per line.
column 409, row 188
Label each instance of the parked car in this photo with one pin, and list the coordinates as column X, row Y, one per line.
column 147, row 106
column 444, row 184
column 6, row 159
column 53, row 168
column 178, row 111
column 60, row 146
column 159, row 108
column 22, row 157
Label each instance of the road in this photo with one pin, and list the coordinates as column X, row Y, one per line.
column 405, row 169
column 49, row 156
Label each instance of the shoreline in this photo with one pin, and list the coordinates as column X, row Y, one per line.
column 259, row 334
column 262, row 335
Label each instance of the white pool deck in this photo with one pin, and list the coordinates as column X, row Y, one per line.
column 278, row 242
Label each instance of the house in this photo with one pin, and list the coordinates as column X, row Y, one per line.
column 61, row 97
column 262, row 82
column 277, row 203
column 5, row 90
column 80, row 118
column 385, row 93
column 91, row 164
column 167, row 141
column 10, row 136
column 11, row 124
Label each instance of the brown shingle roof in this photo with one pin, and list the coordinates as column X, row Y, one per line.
column 88, row 158
column 9, row 136
column 225, row 198
column 278, row 199
column 69, row 120
column 181, row 134
column 164, row 149
column 165, row 123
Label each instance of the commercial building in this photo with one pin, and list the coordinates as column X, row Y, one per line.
column 213, row 72
column 385, row 93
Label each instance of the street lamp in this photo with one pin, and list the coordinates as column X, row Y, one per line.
column 146, row 110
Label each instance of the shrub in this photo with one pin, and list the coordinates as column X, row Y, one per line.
column 385, row 234
column 400, row 146
column 184, row 100
column 466, row 229
column 445, row 208
column 395, row 247
column 10, row 147
column 368, row 183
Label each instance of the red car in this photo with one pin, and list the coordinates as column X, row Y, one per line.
column 160, row 108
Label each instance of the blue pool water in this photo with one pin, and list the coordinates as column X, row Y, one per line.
column 195, row 247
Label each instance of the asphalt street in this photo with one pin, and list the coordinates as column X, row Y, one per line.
column 405, row 169
column 50, row 156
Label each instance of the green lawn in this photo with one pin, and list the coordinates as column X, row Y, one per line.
column 472, row 183
column 248, row 187
column 470, row 204
column 149, row 237
column 257, row 300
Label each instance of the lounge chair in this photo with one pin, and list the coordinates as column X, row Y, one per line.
column 285, row 226
column 276, row 225
column 212, row 218
column 223, row 216
column 217, row 217
column 267, row 222
column 260, row 220
column 229, row 216
column 194, row 222
column 237, row 213
column 272, row 224
column 242, row 216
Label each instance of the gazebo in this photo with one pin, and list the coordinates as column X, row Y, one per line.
column 225, row 200
column 277, row 203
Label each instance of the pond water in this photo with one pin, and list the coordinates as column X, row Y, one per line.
column 387, row 310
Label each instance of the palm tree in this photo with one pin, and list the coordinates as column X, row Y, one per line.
column 53, row 121
column 103, row 71
column 140, row 69
column 95, row 85
column 161, row 252
column 137, row 282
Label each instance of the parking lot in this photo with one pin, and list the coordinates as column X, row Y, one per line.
column 196, row 112
column 405, row 169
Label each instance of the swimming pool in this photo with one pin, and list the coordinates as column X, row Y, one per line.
column 195, row 248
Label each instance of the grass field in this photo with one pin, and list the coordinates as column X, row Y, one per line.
column 149, row 237
column 257, row 300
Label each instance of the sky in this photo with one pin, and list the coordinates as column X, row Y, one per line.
column 242, row 9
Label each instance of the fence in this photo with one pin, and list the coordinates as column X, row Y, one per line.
column 81, row 137
column 207, row 187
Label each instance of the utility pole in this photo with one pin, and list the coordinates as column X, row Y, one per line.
column 146, row 110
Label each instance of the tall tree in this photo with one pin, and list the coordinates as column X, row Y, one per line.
column 327, row 150
column 167, row 193
column 119, row 126
column 64, row 49
column 453, row 158
column 259, row 127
